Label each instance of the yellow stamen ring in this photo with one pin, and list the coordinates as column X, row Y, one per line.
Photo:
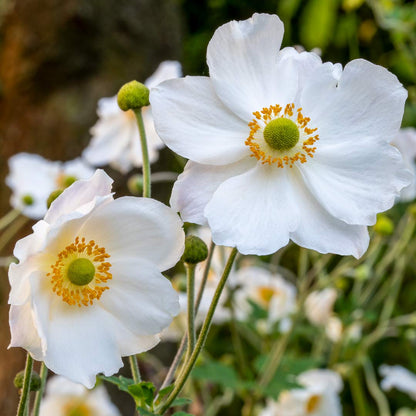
column 276, row 142
column 80, row 272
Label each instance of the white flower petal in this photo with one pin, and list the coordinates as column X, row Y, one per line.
column 80, row 196
column 354, row 182
column 242, row 60
column 319, row 230
column 367, row 101
column 23, row 330
column 140, row 297
column 195, row 186
column 165, row 70
column 253, row 211
column 193, row 122
column 131, row 227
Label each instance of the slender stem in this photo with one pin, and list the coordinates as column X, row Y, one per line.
column 9, row 218
column 24, row 397
column 373, row 387
column 357, row 392
column 202, row 335
column 11, row 232
column 135, row 372
column 181, row 349
column 38, row 398
column 190, row 275
column 145, row 154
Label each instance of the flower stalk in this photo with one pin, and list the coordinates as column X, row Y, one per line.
column 43, row 374
column 190, row 276
column 24, row 397
column 202, row 335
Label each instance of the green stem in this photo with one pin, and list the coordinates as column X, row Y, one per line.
column 373, row 387
column 190, row 276
column 24, row 397
column 357, row 393
column 9, row 218
column 202, row 336
column 181, row 349
column 145, row 154
column 38, row 398
column 135, row 372
column 11, row 232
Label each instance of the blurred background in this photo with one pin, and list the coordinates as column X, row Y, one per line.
column 57, row 58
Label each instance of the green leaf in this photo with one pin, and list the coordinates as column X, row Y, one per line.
column 217, row 373
column 142, row 393
column 164, row 392
column 180, row 401
column 121, row 382
column 145, row 412
column 181, row 414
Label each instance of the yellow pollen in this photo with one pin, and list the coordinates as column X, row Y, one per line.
column 265, row 153
column 265, row 294
column 77, row 409
column 81, row 295
column 313, row 403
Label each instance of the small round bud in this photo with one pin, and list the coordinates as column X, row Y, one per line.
column 384, row 225
column 35, row 380
column 28, row 199
column 53, row 196
column 135, row 184
column 195, row 250
column 132, row 96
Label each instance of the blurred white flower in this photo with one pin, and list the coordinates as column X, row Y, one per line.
column 88, row 287
column 115, row 136
column 32, row 179
column 270, row 291
column 65, row 398
column 399, row 378
column 334, row 328
column 280, row 145
column 319, row 306
column 405, row 141
column 319, row 397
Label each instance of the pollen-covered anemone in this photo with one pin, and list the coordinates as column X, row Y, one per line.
column 88, row 287
column 115, row 136
column 281, row 145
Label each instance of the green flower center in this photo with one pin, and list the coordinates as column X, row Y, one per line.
column 81, row 271
column 68, row 181
column 281, row 134
column 28, row 199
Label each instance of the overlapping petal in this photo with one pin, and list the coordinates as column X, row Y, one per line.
column 196, row 124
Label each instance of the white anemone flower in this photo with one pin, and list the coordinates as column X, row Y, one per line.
column 65, row 398
column 115, row 136
column 405, row 141
column 398, row 377
column 88, row 287
column 319, row 397
column 32, row 179
column 270, row 291
column 319, row 306
column 282, row 146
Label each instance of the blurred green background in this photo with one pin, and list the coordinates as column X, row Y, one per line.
column 58, row 58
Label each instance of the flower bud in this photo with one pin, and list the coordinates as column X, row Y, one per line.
column 53, row 196
column 132, row 96
column 384, row 225
column 135, row 184
column 195, row 250
column 35, row 381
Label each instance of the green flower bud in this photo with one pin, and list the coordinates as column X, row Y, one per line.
column 28, row 199
column 35, row 380
column 132, row 96
column 53, row 196
column 135, row 184
column 195, row 250
column 384, row 225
